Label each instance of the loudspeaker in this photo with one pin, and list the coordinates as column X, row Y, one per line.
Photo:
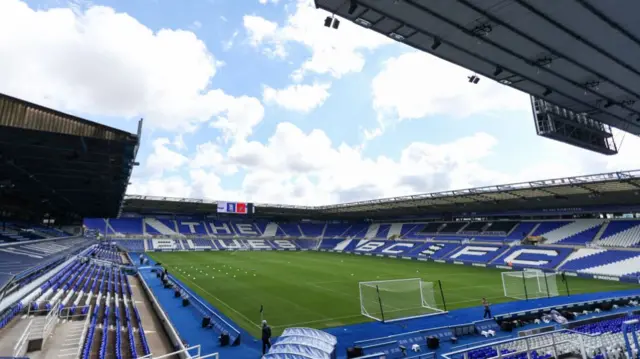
column 206, row 321
column 185, row 302
column 354, row 352
column 224, row 339
column 506, row 326
column 433, row 343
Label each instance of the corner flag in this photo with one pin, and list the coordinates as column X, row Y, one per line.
column 261, row 308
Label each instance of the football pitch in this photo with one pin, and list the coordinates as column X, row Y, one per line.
column 320, row 290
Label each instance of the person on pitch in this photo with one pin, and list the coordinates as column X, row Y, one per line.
column 487, row 309
column 266, row 337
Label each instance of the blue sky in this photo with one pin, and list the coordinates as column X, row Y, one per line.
column 256, row 101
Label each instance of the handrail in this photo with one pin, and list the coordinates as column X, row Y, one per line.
column 85, row 327
column 17, row 349
column 450, row 355
column 50, row 321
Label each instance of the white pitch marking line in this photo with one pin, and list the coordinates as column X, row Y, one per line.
column 317, row 321
column 223, row 303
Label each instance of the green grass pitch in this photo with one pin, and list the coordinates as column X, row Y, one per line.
column 320, row 290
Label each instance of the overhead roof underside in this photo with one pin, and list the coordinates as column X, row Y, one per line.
column 62, row 165
column 584, row 51
column 618, row 188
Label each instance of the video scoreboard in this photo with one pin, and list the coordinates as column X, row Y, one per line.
column 235, row 207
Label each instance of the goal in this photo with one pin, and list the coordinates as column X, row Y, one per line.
column 529, row 284
column 393, row 300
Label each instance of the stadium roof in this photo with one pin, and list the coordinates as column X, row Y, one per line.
column 61, row 165
column 616, row 188
column 579, row 54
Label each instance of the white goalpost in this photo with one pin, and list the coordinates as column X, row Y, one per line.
column 399, row 299
column 529, row 284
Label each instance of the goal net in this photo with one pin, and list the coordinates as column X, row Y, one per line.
column 392, row 300
column 529, row 284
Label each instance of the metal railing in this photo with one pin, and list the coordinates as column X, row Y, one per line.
column 50, row 321
column 66, row 314
column 20, row 349
column 557, row 342
column 85, row 328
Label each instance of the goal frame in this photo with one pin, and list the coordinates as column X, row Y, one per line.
column 375, row 284
column 543, row 289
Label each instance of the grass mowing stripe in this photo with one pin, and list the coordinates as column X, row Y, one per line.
column 321, row 289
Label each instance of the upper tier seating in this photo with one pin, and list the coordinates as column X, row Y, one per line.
column 335, row 230
column 617, row 233
column 312, row 230
column 431, row 228
column 474, row 227
column 452, row 227
column 621, row 233
column 521, row 230
column 574, row 232
column 500, row 227
column 21, row 256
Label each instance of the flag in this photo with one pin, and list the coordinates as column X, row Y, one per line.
column 261, row 308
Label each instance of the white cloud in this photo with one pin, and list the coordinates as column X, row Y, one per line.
column 163, row 159
column 301, row 98
column 209, row 156
column 262, row 31
column 101, row 63
column 416, row 85
column 178, row 143
column 236, row 116
column 264, row 2
column 171, row 186
column 227, row 45
column 307, row 168
column 335, row 53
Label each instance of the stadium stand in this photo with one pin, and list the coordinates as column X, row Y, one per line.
column 576, row 232
column 619, row 233
column 85, row 285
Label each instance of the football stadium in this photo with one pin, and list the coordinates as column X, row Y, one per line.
column 544, row 269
